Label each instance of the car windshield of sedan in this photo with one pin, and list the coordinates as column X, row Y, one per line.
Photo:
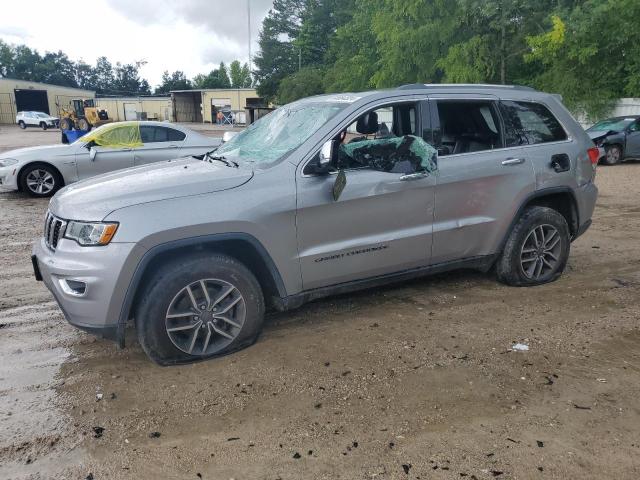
column 281, row 131
column 613, row 124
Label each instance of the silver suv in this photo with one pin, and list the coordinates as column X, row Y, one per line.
column 325, row 195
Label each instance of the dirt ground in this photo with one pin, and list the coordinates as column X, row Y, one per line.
column 412, row 381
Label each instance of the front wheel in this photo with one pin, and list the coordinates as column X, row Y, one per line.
column 43, row 125
column 537, row 249
column 197, row 308
column 613, row 155
column 40, row 180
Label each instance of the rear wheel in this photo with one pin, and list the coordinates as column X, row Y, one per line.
column 83, row 124
column 197, row 308
column 613, row 155
column 537, row 249
column 40, row 180
column 22, row 124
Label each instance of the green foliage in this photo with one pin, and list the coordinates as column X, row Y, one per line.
column 174, row 81
column 217, row 78
column 278, row 56
column 239, row 75
column 304, row 83
column 597, row 58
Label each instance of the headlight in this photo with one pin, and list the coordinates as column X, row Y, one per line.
column 90, row 233
column 5, row 162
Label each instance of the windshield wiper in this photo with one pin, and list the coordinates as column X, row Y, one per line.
column 221, row 158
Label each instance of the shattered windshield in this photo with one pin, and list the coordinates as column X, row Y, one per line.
column 614, row 124
column 280, row 132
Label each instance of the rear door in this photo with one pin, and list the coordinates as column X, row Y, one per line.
column 159, row 144
column 532, row 127
column 480, row 183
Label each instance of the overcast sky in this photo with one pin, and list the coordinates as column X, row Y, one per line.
column 189, row 35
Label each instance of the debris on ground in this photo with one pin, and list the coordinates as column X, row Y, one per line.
column 520, row 347
column 540, row 443
column 154, row 435
column 296, row 455
column 98, row 397
column 98, row 431
column 406, row 467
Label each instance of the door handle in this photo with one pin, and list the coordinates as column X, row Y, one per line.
column 413, row 176
column 512, row 161
column 172, row 146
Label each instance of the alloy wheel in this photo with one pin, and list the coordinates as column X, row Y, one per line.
column 613, row 155
column 540, row 252
column 205, row 316
column 40, row 181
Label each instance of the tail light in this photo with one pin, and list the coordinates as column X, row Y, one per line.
column 594, row 155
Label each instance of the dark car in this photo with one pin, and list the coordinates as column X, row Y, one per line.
column 619, row 136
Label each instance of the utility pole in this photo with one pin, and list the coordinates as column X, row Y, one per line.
column 249, row 39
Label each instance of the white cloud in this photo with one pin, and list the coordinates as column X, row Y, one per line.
column 190, row 35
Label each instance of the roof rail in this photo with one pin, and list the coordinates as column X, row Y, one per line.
column 418, row 86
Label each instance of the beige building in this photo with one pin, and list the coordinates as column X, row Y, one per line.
column 202, row 106
column 21, row 95
column 137, row 108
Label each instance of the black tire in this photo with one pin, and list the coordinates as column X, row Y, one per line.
column 22, row 125
column 83, row 124
column 167, row 284
column 510, row 266
column 63, row 138
column 66, row 123
column 48, row 188
column 613, row 155
column 43, row 125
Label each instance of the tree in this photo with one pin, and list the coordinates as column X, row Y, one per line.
column 278, row 56
column 352, row 55
column 127, row 80
column 583, row 56
column 174, row 81
column 303, row 83
column 239, row 75
column 217, row 78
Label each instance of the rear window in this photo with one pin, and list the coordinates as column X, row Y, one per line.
column 528, row 123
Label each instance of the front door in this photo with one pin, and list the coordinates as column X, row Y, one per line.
column 382, row 221
column 633, row 140
column 106, row 160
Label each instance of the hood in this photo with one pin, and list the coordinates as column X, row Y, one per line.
column 95, row 198
column 599, row 133
column 34, row 152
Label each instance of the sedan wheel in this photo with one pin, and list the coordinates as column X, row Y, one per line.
column 613, row 155
column 40, row 182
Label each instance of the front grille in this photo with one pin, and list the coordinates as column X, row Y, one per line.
column 53, row 230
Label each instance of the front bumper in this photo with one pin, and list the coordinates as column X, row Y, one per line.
column 8, row 178
column 100, row 269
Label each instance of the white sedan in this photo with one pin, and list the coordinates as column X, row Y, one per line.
column 36, row 119
column 41, row 171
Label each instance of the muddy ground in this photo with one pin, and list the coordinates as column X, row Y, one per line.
column 411, row 381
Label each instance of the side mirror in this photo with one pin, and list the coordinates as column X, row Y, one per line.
column 92, row 154
column 325, row 157
column 228, row 136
